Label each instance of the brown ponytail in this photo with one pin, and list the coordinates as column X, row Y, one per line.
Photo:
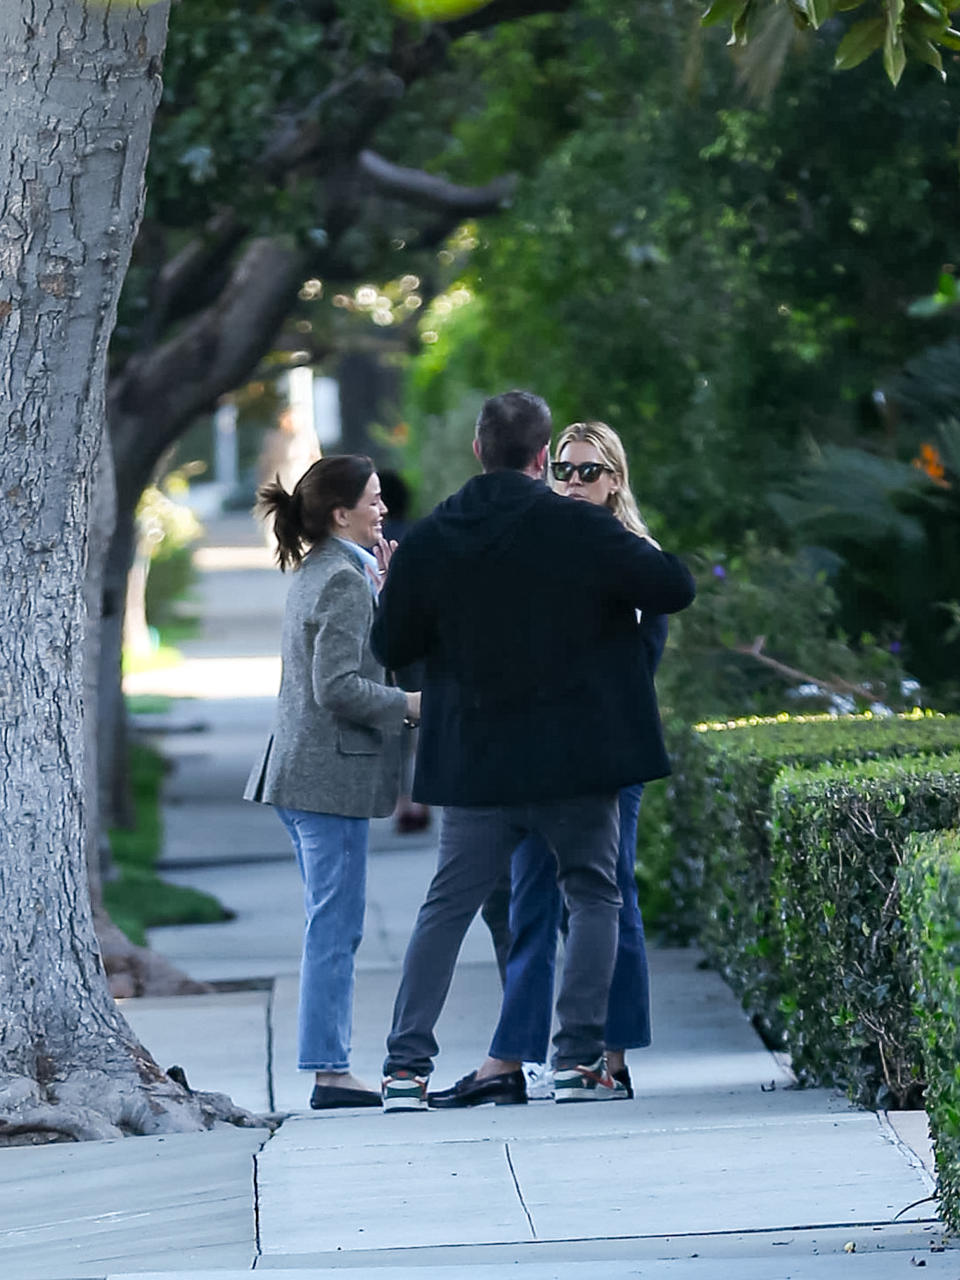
column 274, row 501
column 302, row 519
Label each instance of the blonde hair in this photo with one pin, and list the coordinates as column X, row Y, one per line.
column 610, row 448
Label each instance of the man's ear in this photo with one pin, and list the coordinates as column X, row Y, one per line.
column 476, row 449
column 541, row 459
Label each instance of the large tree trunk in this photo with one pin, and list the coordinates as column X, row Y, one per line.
column 79, row 84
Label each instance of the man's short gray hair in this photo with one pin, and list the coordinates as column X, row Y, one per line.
column 511, row 430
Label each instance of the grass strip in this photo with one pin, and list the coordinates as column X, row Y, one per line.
column 138, row 899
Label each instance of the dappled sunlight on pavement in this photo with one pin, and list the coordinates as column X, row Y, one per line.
column 238, row 599
column 251, row 677
column 212, row 559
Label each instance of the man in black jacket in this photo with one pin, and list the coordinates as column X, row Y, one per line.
column 536, row 710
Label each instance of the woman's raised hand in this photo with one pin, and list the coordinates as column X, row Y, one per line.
column 384, row 550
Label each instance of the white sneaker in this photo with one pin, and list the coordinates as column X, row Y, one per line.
column 539, row 1078
column 592, row 1083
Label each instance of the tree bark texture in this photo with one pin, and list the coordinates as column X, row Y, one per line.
column 100, row 528
column 79, row 83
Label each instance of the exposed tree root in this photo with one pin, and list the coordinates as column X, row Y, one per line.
column 138, row 971
column 92, row 1105
column 124, row 1092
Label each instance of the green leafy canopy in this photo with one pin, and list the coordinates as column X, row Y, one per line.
column 900, row 29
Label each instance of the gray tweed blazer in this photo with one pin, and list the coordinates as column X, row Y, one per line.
column 336, row 744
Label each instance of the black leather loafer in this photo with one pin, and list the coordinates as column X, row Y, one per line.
column 508, row 1089
column 327, row 1096
column 623, row 1075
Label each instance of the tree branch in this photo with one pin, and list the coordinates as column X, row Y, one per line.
column 190, row 268
column 161, row 390
column 362, row 97
column 368, row 93
column 165, row 384
column 426, row 190
column 834, row 684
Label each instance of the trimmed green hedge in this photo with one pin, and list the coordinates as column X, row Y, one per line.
column 721, row 813
column 930, row 886
column 840, row 835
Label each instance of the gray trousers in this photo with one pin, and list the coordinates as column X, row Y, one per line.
column 475, row 848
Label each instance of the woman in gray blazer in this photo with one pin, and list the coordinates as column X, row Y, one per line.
column 333, row 760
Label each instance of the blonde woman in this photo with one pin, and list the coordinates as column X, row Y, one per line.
column 590, row 466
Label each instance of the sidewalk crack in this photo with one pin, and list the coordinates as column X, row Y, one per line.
column 516, row 1183
column 257, row 1240
column 257, row 1250
column 271, row 1101
column 913, row 1158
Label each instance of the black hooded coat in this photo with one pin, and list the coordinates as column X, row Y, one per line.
column 522, row 605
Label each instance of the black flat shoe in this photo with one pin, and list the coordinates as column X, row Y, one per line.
column 327, row 1096
column 507, row 1089
column 623, row 1075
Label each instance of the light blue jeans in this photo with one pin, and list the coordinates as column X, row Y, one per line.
column 332, row 855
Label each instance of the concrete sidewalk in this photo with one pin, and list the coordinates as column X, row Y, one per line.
column 719, row 1168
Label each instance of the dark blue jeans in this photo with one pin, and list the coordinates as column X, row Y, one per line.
column 536, row 905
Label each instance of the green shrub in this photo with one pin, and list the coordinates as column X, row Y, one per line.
column 654, row 858
column 766, row 624
column 138, row 899
column 930, row 887
column 139, row 846
column 721, row 808
column 839, row 838
column 168, row 584
column 148, row 704
column 167, row 530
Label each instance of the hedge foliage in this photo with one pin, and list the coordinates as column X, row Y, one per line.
column 721, row 802
column 840, row 836
column 930, row 887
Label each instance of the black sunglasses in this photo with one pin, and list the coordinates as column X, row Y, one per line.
column 587, row 471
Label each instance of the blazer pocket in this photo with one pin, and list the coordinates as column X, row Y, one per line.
column 358, row 740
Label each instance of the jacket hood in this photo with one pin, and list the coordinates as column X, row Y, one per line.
column 486, row 513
